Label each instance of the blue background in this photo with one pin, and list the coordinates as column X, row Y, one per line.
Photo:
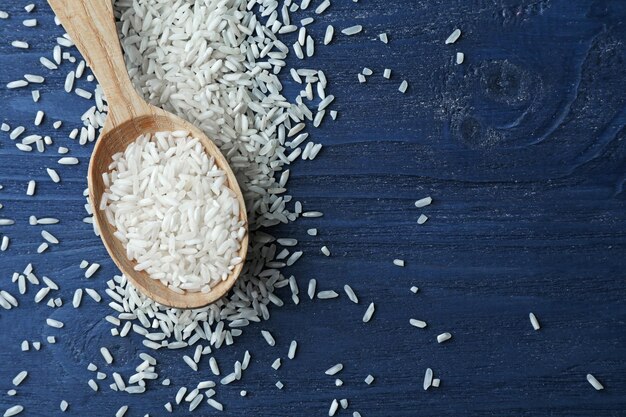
column 522, row 148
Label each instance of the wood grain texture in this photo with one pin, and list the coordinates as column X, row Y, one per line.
column 523, row 149
column 90, row 23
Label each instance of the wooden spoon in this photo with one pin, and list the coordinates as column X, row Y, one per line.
column 91, row 26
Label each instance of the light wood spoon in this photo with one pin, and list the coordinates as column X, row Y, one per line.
column 91, row 26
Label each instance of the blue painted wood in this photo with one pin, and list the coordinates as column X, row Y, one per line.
column 523, row 149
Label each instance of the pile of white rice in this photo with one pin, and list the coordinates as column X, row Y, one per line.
column 173, row 211
column 216, row 64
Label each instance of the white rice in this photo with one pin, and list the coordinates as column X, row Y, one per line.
column 328, row 35
column 80, row 69
column 443, row 337
column 78, row 296
column 311, row 288
column 214, row 366
column 276, row 364
column 93, row 268
column 54, row 323
column 325, row 102
column 594, row 382
column 322, row 7
column 68, row 160
column 335, row 369
column 292, row 349
column 426, row 201
column 30, row 190
column 534, row 321
column 246, row 360
column 122, row 411
column 190, row 362
column 106, row 355
column 350, row 293
column 206, row 213
column 195, row 403
column 64, row 405
column 334, row 406
column 69, row 81
column 398, row 262
column 36, row 79
column 20, row 44
column 422, row 219
column 15, row 133
column 383, row 38
column 325, row 251
column 417, row 323
column 403, row 86
column 5, row 243
column 54, row 176
column 14, row 410
column 428, row 379
column 93, row 385
column 312, row 214
column 414, row 289
column 369, row 379
column 49, row 237
column 215, row 404
column 180, row 394
column 297, row 49
column 460, row 58
column 352, row 30
column 326, row 295
column 268, row 337
column 41, row 294
column 19, row 378
column 369, row 313
column 56, row 55
column 47, row 220
column 83, row 93
column 93, row 294
column 17, row 84
column 454, row 36
column 47, row 63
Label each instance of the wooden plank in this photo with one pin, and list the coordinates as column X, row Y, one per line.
column 522, row 148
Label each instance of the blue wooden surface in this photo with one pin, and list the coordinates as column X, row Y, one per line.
column 523, row 149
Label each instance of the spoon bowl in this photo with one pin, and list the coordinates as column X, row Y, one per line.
column 91, row 27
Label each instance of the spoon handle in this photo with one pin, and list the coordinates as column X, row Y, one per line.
column 91, row 26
